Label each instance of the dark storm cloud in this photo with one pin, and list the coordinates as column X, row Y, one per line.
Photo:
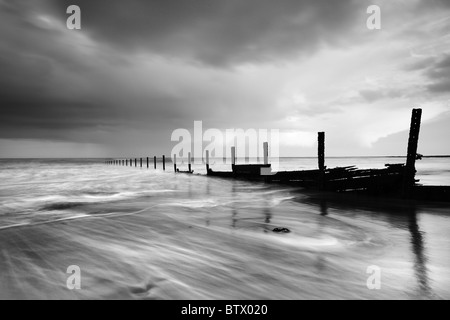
column 49, row 89
column 436, row 70
column 55, row 83
column 220, row 32
column 440, row 87
column 420, row 65
column 439, row 74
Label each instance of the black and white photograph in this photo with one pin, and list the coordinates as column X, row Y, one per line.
column 224, row 153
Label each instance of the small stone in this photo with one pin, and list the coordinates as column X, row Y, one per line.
column 281, row 230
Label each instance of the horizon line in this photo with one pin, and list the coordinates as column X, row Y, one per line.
column 290, row 157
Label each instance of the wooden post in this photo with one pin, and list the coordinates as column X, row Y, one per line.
column 207, row 161
column 410, row 170
column 147, row 162
column 131, row 162
column 154, row 161
column 233, row 157
column 164, row 162
column 175, row 163
column 321, row 159
column 266, row 152
column 321, row 150
column 189, row 161
column 135, row 162
column 126, row 162
column 141, row 162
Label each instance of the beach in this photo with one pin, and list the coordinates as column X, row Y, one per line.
column 139, row 233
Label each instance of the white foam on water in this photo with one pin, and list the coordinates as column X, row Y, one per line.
column 307, row 242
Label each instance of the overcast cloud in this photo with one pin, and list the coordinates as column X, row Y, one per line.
column 137, row 70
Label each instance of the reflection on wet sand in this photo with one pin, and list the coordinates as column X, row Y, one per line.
column 418, row 248
column 399, row 214
column 267, row 216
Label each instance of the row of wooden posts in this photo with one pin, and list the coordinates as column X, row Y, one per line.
column 395, row 178
column 409, row 179
column 129, row 162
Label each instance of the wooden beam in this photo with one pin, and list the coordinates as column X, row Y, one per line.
column 410, row 170
column 321, row 150
column 175, row 163
column 189, row 162
column 266, row 152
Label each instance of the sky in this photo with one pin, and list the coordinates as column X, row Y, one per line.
column 138, row 70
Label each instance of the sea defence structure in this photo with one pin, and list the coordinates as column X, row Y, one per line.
column 396, row 180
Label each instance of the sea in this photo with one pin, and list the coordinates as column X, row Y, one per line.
column 145, row 233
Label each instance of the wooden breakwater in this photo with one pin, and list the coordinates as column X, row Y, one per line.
column 134, row 162
column 396, row 180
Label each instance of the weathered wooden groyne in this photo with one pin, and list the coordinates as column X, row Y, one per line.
column 129, row 162
column 396, row 180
